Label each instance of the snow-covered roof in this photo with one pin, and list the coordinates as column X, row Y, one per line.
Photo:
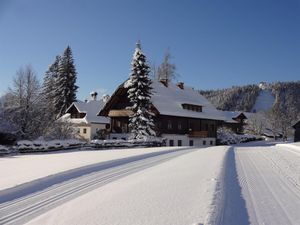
column 229, row 115
column 91, row 109
column 168, row 100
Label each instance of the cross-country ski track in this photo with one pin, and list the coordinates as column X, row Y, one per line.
column 257, row 183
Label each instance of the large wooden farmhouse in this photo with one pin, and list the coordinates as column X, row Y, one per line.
column 182, row 115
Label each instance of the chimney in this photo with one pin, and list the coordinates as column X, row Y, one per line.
column 164, row 82
column 180, row 85
column 94, row 95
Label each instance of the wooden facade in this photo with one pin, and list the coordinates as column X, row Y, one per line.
column 192, row 127
column 297, row 131
column 75, row 114
column 118, row 109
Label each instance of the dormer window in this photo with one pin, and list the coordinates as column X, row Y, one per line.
column 196, row 108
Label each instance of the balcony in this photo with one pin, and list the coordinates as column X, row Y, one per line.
column 198, row 134
column 120, row 113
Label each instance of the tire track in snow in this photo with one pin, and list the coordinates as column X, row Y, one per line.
column 25, row 208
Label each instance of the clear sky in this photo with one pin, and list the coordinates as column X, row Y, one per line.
column 214, row 43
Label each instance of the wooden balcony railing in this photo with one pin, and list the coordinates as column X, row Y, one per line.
column 198, row 134
column 120, row 113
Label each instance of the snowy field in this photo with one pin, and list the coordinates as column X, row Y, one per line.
column 20, row 169
column 253, row 183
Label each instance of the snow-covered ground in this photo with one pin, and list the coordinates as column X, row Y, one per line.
column 264, row 101
column 253, row 183
column 20, row 169
column 294, row 146
column 178, row 191
column 270, row 184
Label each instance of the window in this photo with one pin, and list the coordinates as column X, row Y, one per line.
column 171, row 142
column 212, row 127
column 206, row 127
column 169, row 125
column 196, row 108
column 179, row 125
column 211, row 143
column 191, row 143
column 84, row 130
column 204, row 142
column 179, row 143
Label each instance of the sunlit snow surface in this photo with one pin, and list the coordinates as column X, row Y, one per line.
column 264, row 101
column 253, row 183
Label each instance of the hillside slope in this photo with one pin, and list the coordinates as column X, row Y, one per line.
column 255, row 97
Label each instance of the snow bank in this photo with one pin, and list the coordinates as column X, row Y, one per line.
column 178, row 191
column 148, row 141
column 20, row 169
column 3, row 150
column 228, row 137
column 294, row 146
column 41, row 145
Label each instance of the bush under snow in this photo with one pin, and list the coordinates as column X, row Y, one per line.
column 146, row 141
column 41, row 145
column 228, row 137
column 4, row 150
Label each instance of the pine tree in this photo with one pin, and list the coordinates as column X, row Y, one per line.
column 49, row 86
column 139, row 94
column 66, row 88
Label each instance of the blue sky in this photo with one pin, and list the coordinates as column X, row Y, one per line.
column 214, row 43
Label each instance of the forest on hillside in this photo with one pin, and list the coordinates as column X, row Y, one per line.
column 234, row 98
column 242, row 98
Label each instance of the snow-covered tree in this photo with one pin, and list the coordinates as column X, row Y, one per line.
column 139, row 94
column 22, row 103
column 49, row 87
column 65, row 83
column 256, row 123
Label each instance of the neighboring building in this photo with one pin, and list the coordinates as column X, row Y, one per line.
column 181, row 114
column 83, row 115
column 8, row 132
column 297, row 131
column 234, row 121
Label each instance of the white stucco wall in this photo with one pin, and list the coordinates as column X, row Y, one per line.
column 185, row 140
column 91, row 130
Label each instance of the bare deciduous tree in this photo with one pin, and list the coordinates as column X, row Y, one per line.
column 167, row 70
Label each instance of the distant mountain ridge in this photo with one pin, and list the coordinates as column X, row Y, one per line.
column 255, row 97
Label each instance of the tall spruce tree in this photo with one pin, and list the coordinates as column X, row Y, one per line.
column 49, row 87
column 66, row 88
column 139, row 94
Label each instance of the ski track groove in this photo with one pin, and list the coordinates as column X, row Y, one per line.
column 264, row 176
column 273, row 194
column 18, row 211
column 245, row 182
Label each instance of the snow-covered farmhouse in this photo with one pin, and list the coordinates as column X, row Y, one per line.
column 83, row 116
column 181, row 114
column 297, row 131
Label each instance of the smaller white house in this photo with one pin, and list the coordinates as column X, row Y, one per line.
column 83, row 115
